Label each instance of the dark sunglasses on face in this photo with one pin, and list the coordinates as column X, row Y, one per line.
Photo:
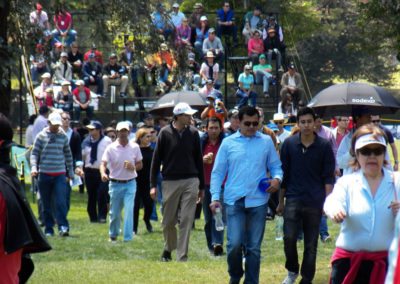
column 369, row 151
column 251, row 123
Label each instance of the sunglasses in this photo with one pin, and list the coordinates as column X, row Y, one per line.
column 369, row 151
column 250, row 123
column 376, row 121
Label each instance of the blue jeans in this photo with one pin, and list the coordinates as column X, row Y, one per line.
column 323, row 227
column 278, row 54
column 122, row 195
column 71, row 37
column 53, row 189
column 98, row 81
column 264, row 78
column 212, row 235
column 245, row 232
column 295, row 212
column 242, row 98
column 78, row 109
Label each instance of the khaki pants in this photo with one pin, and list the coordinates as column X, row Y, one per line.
column 123, row 81
column 179, row 204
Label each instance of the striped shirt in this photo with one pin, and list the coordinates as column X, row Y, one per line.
column 51, row 153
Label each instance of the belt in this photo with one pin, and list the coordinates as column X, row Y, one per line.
column 121, row 180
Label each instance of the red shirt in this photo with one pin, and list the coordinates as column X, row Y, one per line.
column 209, row 148
column 339, row 137
column 10, row 263
column 63, row 21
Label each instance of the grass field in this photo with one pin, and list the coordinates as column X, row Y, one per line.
column 87, row 256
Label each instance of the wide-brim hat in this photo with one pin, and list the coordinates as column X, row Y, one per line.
column 279, row 117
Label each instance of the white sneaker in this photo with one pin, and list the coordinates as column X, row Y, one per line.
column 290, row 278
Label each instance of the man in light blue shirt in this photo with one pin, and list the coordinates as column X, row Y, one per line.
column 244, row 158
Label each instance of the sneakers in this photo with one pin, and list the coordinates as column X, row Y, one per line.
column 281, row 69
column 64, row 232
column 326, row 239
column 49, row 235
column 218, row 250
column 112, row 240
column 166, row 256
column 102, row 220
column 290, row 278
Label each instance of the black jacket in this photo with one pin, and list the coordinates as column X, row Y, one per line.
column 22, row 229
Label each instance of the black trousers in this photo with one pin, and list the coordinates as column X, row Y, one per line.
column 142, row 197
column 341, row 267
column 98, row 197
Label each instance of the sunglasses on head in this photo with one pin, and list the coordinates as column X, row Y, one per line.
column 369, row 151
column 250, row 123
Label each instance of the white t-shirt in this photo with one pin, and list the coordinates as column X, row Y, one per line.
column 38, row 20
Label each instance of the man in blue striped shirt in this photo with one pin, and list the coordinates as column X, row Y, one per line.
column 244, row 158
column 51, row 159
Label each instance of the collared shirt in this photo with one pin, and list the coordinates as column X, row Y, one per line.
column 306, row 170
column 326, row 133
column 176, row 18
column 245, row 161
column 115, row 155
column 369, row 223
column 100, row 150
column 209, row 148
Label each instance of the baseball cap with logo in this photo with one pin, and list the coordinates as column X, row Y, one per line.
column 369, row 139
column 55, row 118
column 183, row 108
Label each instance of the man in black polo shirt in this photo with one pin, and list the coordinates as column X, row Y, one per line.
column 178, row 151
column 308, row 165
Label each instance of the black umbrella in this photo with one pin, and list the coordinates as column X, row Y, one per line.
column 165, row 104
column 349, row 98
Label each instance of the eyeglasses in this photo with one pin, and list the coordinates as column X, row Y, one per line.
column 369, row 151
column 376, row 121
column 250, row 123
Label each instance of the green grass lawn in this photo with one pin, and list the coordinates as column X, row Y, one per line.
column 87, row 256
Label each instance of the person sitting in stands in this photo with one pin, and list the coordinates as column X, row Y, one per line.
column 214, row 44
column 272, row 46
column 63, row 23
column 287, row 107
column 263, row 74
column 183, row 34
column 176, row 16
column 49, row 98
column 208, row 89
column 255, row 47
column 98, row 55
column 92, row 74
column 75, row 58
column 114, row 74
column 245, row 90
column 192, row 73
column 39, row 64
column 252, row 22
column 39, row 18
column 194, row 19
column 209, row 69
column 201, row 33
column 292, row 83
column 271, row 22
column 40, row 92
column 64, row 99
column 55, row 54
column 63, row 70
column 226, row 22
column 82, row 101
column 159, row 21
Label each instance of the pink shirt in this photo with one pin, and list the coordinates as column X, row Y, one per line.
column 115, row 155
column 63, row 21
column 256, row 44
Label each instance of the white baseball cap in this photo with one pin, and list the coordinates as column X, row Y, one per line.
column 122, row 125
column 176, row 5
column 183, row 108
column 368, row 139
column 55, row 118
column 46, row 75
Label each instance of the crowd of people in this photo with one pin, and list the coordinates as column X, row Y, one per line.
column 58, row 67
column 228, row 160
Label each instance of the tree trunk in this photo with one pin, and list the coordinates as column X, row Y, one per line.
column 5, row 82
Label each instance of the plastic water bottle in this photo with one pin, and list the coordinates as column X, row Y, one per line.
column 278, row 228
column 264, row 184
column 219, row 223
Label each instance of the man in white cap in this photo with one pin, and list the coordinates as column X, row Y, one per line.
column 178, row 150
column 176, row 15
column 51, row 161
column 62, row 70
column 122, row 158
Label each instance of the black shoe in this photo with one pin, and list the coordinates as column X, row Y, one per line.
column 166, row 256
column 149, row 227
column 102, row 220
column 64, row 232
column 218, row 250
